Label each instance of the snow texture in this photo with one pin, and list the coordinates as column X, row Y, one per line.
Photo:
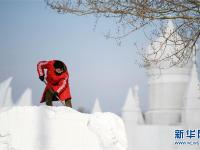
column 26, row 98
column 5, row 90
column 131, row 110
column 110, row 130
column 97, row 107
column 59, row 128
column 6, row 95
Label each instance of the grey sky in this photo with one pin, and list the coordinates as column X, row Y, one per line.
column 98, row 67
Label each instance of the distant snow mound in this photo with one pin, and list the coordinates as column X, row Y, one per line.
column 59, row 128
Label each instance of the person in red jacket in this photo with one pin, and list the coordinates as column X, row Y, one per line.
column 57, row 85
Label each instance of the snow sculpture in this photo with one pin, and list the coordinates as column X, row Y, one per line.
column 5, row 92
column 60, row 128
column 97, row 107
column 26, row 98
column 191, row 109
column 166, row 86
column 132, row 115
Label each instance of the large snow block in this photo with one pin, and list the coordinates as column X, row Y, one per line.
column 59, row 128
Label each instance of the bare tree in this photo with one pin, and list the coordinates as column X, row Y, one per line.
column 133, row 15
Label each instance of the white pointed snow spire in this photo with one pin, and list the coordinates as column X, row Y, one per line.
column 169, row 28
column 192, row 100
column 131, row 112
column 26, row 98
column 168, row 43
column 96, row 107
column 4, row 87
column 132, row 101
column 193, row 91
column 8, row 98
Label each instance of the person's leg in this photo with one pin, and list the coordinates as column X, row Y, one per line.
column 68, row 103
column 48, row 98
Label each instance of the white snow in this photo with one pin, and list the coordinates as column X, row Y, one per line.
column 97, row 107
column 164, row 46
column 131, row 110
column 132, row 100
column 59, row 128
column 6, row 95
column 193, row 92
column 5, row 91
column 192, row 100
column 8, row 98
column 110, row 130
column 55, row 128
column 26, row 98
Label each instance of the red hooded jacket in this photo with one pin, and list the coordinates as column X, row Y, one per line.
column 59, row 83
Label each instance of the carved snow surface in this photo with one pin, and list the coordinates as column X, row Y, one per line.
column 59, row 128
column 97, row 107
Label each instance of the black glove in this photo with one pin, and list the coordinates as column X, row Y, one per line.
column 41, row 78
column 55, row 95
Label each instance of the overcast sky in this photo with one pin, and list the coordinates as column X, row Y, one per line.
column 98, row 67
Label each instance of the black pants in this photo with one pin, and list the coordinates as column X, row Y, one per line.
column 49, row 99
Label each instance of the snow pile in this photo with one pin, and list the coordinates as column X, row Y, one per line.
column 59, row 128
column 110, row 130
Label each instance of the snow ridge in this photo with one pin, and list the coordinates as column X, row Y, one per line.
column 110, row 130
column 59, row 128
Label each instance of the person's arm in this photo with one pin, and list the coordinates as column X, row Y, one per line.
column 41, row 66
